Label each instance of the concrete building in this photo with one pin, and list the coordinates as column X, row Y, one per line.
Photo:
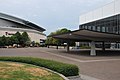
column 9, row 25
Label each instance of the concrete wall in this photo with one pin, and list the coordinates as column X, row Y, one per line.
column 108, row 10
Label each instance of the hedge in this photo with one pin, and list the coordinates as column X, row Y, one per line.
column 65, row 69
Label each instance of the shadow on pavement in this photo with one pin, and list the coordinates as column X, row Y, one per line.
column 107, row 53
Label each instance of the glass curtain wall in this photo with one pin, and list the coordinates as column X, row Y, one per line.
column 108, row 25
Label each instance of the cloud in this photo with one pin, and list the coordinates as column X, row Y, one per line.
column 51, row 14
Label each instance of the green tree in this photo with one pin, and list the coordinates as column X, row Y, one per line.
column 49, row 40
column 8, row 41
column 19, row 37
column 25, row 39
column 14, row 40
column 53, row 41
column 3, row 41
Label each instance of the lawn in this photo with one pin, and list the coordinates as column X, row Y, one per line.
column 22, row 71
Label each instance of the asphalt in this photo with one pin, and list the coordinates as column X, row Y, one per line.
column 104, row 66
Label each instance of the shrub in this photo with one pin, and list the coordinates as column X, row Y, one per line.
column 65, row 69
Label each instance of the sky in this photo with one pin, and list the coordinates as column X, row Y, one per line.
column 51, row 14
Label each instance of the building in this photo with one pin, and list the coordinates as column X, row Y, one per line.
column 99, row 26
column 9, row 25
column 105, row 19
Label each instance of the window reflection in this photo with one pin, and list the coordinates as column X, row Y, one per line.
column 109, row 25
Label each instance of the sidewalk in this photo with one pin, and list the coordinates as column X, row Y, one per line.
column 82, row 77
column 75, row 78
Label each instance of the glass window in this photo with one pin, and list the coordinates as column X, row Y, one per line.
column 93, row 28
column 86, row 27
column 106, row 30
column 98, row 28
column 103, row 29
column 109, row 25
column 89, row 27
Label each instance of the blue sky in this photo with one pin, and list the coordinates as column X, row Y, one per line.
column 51, row 14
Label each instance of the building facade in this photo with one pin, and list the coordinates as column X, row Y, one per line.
column 9, row 25
column 105, row 19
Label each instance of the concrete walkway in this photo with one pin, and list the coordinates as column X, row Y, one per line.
column 102, row 67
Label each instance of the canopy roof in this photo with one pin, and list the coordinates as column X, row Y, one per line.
column 88, row 35
column 21, row 21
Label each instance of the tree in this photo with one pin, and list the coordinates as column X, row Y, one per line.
column 49, row 40
column 14, row 40
column 25, row 39
column 3, row 40
column 8, row 41
column 53, row 41
column 18, row 37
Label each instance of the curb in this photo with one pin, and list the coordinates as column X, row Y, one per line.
column 85, row 77
column 82, row 77
column 65, row 78
column 75, row 77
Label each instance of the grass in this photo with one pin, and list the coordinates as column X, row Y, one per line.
column 22, row 71
column 63, row 68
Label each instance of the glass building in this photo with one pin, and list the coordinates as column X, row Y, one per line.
column 105, row 19
column 107, row 25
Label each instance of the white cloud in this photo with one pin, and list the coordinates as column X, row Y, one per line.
column 51, row 13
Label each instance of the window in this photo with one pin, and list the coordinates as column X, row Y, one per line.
column 98, row 28
column 103, row 29
column 109, row 25
column 106, row 30
column 93, row 28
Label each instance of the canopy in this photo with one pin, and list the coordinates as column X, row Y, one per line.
column 88, row 35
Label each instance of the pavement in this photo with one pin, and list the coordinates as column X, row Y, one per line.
column 104, row 66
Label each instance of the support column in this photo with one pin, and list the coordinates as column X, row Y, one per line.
column 57, row 47
column 103, row 46
column 48, row 46
column 68, row 47
column 93, row 51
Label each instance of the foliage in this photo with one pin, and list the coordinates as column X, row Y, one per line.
column 65, row 69
column 25, row 39
column 14, row 40
column 53, row 41
column 3, row 41
column 21, row 39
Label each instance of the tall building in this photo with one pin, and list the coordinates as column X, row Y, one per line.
column 9, row 25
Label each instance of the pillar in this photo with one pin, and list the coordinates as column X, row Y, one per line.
column 93, row 51
column 48, row 46
column 57, row 47
column 68, row 47
column 103, row 46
